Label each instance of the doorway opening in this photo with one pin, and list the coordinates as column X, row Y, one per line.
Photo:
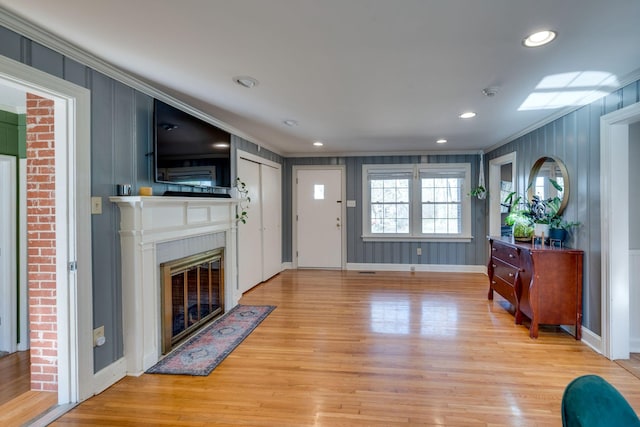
column 72, row 207
column 501, row 182
column 615, row 232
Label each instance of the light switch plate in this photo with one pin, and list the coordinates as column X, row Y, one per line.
column 351, row 203
column 96, row 205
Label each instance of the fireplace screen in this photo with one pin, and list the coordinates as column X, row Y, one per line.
column 192, row 294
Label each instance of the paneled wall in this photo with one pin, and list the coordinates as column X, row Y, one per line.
column 472, row 253
column 575, row 138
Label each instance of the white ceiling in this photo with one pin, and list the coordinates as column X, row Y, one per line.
column 363, row 76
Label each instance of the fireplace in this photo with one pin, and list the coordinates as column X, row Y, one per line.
column 157, row 230
column 192, row 294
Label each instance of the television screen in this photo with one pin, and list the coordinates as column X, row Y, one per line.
column 190, row 151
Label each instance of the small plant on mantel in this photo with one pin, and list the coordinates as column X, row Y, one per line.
column 243, row 206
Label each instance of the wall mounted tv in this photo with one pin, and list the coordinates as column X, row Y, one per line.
column 190, row 151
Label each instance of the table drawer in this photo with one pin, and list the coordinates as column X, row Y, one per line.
column 505, row 253
column 506, row 289
column 506, row 272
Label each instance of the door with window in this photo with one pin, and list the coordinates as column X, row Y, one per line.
column 319, row 218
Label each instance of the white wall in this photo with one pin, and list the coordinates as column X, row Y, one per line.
column 634, row 237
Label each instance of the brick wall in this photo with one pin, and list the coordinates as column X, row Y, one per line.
column 41, row 243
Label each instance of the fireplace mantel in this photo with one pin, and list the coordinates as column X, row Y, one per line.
column 146, row 222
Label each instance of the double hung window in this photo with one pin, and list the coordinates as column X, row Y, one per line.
column 421, row 201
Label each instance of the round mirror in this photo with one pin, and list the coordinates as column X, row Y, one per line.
column 549, row 179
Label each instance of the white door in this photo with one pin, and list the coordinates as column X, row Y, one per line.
column 250, row 233
column 271, row 221
column 319, row 218
column 8, row 267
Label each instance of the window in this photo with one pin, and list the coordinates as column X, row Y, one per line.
column 424, row 201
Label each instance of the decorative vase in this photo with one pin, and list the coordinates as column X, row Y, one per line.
column 540, row 230
column 557, row 234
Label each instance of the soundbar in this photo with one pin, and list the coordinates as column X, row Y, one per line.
column 193, row 194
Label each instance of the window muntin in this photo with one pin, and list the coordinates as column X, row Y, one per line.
column 416, row 201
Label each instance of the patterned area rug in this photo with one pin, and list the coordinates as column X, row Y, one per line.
column 203, row 352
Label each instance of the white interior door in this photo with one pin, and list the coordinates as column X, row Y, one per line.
column 319, row 218
column 8, row 262
column 250, row 234
column 271, row 221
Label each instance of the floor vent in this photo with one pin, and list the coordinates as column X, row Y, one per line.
column 366, row 272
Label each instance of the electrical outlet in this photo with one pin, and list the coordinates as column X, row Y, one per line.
column 419, row 251
column 413, row 268
column 98, row 336
column 96, row 205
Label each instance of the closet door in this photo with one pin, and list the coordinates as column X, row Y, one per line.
column 250, row 234
column 271, row 221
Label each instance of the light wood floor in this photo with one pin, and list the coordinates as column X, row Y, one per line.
column 384, row 349
column 15, row 376
column 18, row 404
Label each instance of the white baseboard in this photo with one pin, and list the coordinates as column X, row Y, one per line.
column 108, row 376
column 286, row 266
column 592, row 340
column 439, row 268
column 634, row 345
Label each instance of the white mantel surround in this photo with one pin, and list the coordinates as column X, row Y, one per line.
column 146, row 222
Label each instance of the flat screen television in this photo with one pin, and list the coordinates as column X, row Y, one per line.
column 189, row 151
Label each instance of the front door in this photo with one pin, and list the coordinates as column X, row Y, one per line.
column 319, row 218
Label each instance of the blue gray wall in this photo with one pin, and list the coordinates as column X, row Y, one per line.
column 575, row 139
column 472, row 253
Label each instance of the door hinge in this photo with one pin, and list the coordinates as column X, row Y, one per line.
column 73, row 265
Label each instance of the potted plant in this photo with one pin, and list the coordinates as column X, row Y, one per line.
column 243, row 206
column 518, row 217
column 559, row 228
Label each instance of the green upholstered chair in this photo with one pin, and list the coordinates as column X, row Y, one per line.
column 590, row 401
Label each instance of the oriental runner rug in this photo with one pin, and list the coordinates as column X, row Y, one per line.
column 200, row 354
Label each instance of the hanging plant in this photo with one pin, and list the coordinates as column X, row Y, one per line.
column 243, row 206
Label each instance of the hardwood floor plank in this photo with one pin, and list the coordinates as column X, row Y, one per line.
column 15, row 375
column 383, row 349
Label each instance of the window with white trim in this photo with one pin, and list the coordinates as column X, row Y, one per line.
column 417, row 201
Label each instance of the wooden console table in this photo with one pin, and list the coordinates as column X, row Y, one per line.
column 541, row 282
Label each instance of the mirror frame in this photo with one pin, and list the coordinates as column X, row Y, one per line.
column 533, row 173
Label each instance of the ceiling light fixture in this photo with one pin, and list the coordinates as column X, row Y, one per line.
column 540, row 38
column 318, row 144
column 441, row 141
column 221, row 145
column 467, row 115
column 290, row 122
column 246, row 81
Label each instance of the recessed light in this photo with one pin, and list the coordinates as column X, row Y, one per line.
column 318, row 144
column 221, row 145
column 441, row 141
column 467, row 115
column 290, row 122
column 246, row 81
column 540, row 38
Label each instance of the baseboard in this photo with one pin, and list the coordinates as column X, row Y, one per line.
column 634, row 345
column 286, row 266
column 592, row 340
column 437, row 268
column 108, row 376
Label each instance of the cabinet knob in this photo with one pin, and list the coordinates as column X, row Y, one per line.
column 493, row 265
column 511, row 256
column 493, row 282
column 493, row 249
column 510, row 274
